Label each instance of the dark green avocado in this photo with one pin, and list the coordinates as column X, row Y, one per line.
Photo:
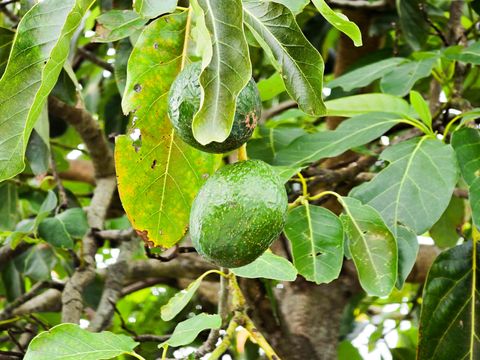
column 184, row 102
column 238, row 213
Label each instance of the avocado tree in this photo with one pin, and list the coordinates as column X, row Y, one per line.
column 242, row 179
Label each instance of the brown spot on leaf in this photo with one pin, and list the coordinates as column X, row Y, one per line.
column 154, row 163
column 144, row 235
column 137, row 88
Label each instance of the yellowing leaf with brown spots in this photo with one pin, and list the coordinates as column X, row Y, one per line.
column 158, row 174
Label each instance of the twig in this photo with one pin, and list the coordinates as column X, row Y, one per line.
column 140, row 285
column 117, row 235
column 95, row 59
column 61, row 189
column 211, row 342
column 122, row 321
column 437, row 30
column 151, row 338
column 278, row 109
column 34, row 291
column 15, row 354
column 15, row 341
column 176, row 251
column 7, row 2
column 13, row 18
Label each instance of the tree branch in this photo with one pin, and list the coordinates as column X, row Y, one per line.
column 112, row 292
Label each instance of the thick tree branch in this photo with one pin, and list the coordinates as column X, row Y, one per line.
column 112, row 292
column 91, row 134
column 102, row 158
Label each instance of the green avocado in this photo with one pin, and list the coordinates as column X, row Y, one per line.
column 184, row 102
column 238, row 213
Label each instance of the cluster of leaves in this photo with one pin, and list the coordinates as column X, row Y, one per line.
column 411, row 194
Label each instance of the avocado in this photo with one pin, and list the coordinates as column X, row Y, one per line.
column 238, row 213
column 184, row 102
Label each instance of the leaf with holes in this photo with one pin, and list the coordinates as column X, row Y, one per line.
column 421, row 172
column 226, row 69
column 159, row 178
column 339, row 21
column 268, row 266
column 69, row 341
column 45, row 31
column 316, row 235
column 300, row 64
column 353, row 132
column 449, row 322
column 372, row 247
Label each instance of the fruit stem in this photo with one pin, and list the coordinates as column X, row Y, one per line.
column 242, row 153
column 259, row 338
column 227, row 340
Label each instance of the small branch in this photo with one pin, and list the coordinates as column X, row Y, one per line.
column 10, row 15
column 278, row 109
column 176, row 251
column 7, row 253
column 151, row 338
column 95, row 59
column 117, row 235
column 7, row 2
column 12, row 354
column 213, row 336
column 122, row 320
column 140, row 285
column 437, row 30
column 61, row 189
column 34, row 291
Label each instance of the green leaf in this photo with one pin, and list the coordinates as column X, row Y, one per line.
column 422, row 172
column 158, row 179
column 300, row 64
column 40, row 48
column 226, row 70
column 8, row 206
column 444, row 231
column 353, row 132
column 402, row 79
column 339, row 21
column 372, row 246
column 268, row 266
column 39, row 263
column 37, row 154
column 449, row 322
column 366, row 103
column 470, row 54
column 421, row 107
column 346, row 351
column 365, row 75
column 403, row 353
column 61, row 229
column 316, row 235
column 271, row 87
column 295, row 6
column 285, row 173
column 474, row 195
column 412, row 23
column 178, row 302
column 272, row 140
column 6, row 41
column 466, row 143
column 69, row 341
column 48, row 205
column 118, row 24
column 408, row 246
column 153, row 8
column 12, row 280
column 187, row 331
column 124, row 49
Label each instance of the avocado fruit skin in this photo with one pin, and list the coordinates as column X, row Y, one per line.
column 238, row 213
column 184, row 102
